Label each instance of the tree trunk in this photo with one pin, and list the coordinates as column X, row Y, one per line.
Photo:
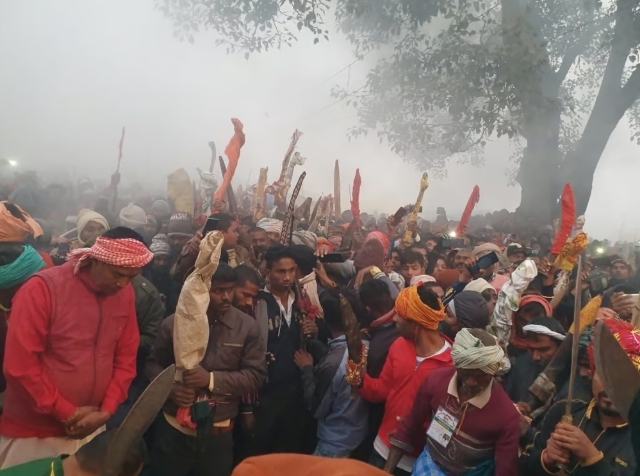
column 539, row 166
column 580, row 165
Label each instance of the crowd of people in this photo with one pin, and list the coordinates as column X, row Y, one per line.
column 370, row 344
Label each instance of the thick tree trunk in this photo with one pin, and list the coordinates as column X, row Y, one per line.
column 539, row 167
column 580, row 165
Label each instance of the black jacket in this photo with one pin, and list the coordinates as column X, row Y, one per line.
column 615, row 444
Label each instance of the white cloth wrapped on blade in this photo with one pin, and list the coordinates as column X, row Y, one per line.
column 191, row 325
column 509, row 299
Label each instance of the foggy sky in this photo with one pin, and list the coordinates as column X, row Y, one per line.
column 73, row 72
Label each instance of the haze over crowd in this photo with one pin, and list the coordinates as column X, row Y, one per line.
column 75, row 71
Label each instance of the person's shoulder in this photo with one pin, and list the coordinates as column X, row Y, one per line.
column 142, row 284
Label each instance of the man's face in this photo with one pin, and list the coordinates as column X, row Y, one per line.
column 441, row 265
column 406, row 328
column 395, row 260
column 605, row 405
column 231, row 235
column 160, row 261
column 282, row 274
column 177, row 241
column 542, row 349
column 517, row 257
column 111, row 279
column 150, row 228
column 491, row 296
column 91, row 230
column 245, row 296
column 431, row 244
column 220, row 296
column 619, row 271
column 461, row 259
column 475, row 381
column 274, row 237
column 409, row 270
column 244, row 239
column 259, row 238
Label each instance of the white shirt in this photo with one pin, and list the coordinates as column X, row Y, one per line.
column 286, row 312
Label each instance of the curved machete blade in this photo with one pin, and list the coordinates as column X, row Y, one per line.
column 621, row 379
column 138, row 420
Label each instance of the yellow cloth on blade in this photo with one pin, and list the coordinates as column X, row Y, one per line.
column 589, row 313
column 180, row 191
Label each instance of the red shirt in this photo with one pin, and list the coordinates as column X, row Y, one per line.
column 399, row 381
column 489, row 421
column 67, row 347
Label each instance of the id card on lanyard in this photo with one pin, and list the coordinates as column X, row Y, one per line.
column 443, row 426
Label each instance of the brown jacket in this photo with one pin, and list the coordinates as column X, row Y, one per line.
column 235, row 354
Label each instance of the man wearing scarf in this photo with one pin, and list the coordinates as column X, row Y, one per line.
column 472, row 428
column 598, row 441
column 544, row 336
column 71, row 349
column 412, row 357
column 467, row 309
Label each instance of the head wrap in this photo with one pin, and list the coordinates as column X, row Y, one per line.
column 14, row 229
column 410, row 306
column 478, row 285
column 485, row 249
column 383, row 238
column 132, row 216
column 123, row 252
column 26, row 264
column 471, row 310
column 180, row 224
column 160, row 245
column 422, row 278
column 470, row 353
column 529, row 298
column 371, row 254
column 304, row 237
column 270, row 225
column 546, row 326
column 84, row 217
column 160, row 208
column 627, row 335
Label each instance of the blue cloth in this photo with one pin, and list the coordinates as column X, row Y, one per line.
column 342, row 421
column 425, row 466
column 28, row 263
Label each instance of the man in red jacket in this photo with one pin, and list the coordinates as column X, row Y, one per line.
column 71, row 349
column 412, row 357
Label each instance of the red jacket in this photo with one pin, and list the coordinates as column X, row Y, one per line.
column 67, row 347
column 399, row 382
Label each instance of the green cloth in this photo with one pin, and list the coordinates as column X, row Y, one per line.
column 39, row 467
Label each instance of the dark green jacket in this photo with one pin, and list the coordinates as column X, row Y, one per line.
column 150, row 312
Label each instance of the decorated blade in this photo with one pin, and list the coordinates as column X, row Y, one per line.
column 137, row 421
column 621, row 379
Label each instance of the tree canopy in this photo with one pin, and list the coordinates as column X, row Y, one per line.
column 554, row 76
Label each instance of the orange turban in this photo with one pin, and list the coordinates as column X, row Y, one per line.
column 410, row 306
column 14, row 229
column 303, row 465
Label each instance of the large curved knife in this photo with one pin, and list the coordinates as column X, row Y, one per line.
column 138, row 420
column 620, row 377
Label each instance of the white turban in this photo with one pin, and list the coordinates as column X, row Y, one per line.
column 470, row 353
column 132, row 216
column 422, row 278
column 270, row 225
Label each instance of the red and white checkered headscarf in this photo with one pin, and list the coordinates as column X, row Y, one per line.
column 124, row 252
